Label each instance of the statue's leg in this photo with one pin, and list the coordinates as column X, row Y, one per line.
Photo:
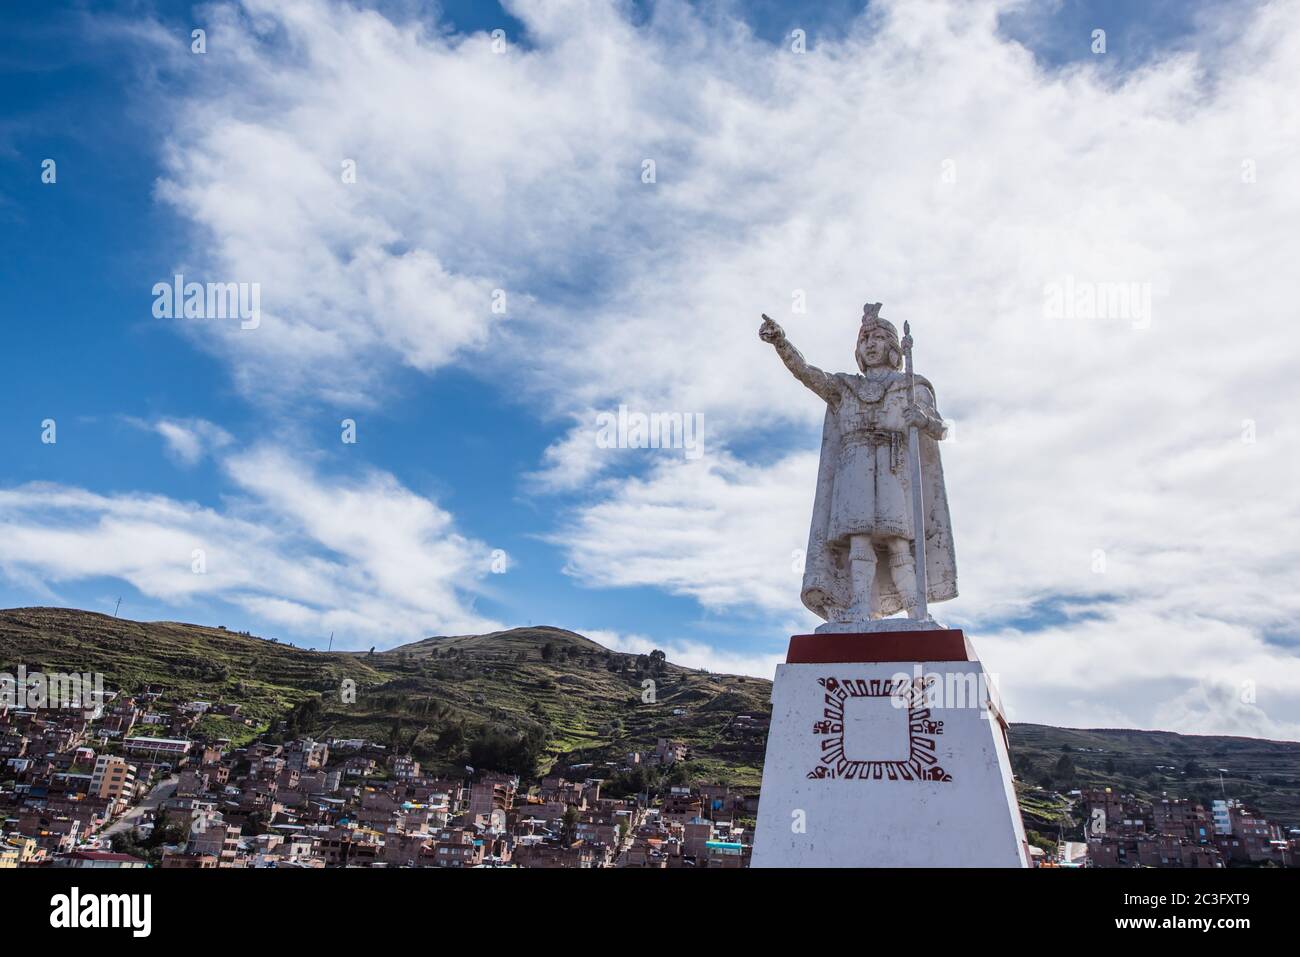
column 862, row 568
column 902, row 567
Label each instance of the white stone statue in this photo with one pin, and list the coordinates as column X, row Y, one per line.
column 860, row 562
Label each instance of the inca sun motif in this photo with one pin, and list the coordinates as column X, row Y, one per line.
column 893, row 700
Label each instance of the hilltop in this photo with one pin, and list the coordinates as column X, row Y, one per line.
column 529, row 699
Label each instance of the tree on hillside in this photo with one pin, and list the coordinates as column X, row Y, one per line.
column 452, row 741
column 1064, row 770
column 635, row 780
column 305, row 716
column 499, row 748
column 166, row 830
column 678, row 775
column 1023, row 767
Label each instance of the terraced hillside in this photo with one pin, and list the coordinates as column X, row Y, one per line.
column 523, row 698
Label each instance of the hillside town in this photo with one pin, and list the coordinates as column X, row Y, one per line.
column 1123, row 831
column 86, row 789
column 132, row 783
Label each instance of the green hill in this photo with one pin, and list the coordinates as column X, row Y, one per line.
column 525, row 698
column 1265, row 775
column 529, row 698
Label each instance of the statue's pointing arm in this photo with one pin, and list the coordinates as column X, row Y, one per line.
column 820, row 382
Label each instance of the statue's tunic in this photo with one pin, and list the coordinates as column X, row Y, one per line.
column 872, row 486
column 864, row 487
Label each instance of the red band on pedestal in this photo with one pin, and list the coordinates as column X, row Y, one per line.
column 948, row 644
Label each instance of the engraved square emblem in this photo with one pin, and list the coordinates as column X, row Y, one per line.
column 877, row 729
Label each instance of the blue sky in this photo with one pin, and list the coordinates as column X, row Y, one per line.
column 522, row 171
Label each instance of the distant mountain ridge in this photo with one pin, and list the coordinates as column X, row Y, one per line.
column 547, row 697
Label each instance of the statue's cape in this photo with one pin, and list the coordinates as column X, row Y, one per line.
column 826, row 568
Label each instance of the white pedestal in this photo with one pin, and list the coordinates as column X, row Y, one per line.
column 865, row 769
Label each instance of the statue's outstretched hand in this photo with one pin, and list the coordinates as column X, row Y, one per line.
column 769, row 331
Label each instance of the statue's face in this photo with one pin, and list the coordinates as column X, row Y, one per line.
column 874, row 348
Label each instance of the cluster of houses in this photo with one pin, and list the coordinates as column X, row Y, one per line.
column 131, row 782
column 665, row 754
column 108, row 788
column 1125, row 831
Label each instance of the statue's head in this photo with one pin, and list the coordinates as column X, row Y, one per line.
column 878, row 346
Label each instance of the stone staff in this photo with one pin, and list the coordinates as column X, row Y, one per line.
column 920, row 611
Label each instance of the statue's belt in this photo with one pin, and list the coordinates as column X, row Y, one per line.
column 877, row 438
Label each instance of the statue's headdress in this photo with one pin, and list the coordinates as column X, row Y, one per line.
column 871, row 321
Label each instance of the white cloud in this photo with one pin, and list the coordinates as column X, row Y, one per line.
column 1210, row 708
column 1147, row 666
column 574, row 460
column 188, row 440
column 823, row 173
column 369, row 560
column 717, row 529
column 402, row 544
